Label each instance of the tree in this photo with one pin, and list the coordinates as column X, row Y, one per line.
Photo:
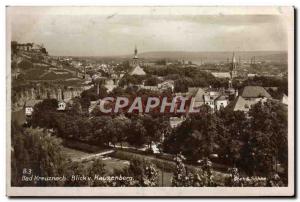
column 76, row 169
column 144, row 174
column 232, row 129
column 138, row 132
column 202, row 177
column 152, row 81
column 13, row 46
column 75, row 108
column 268, row 140
column 34, row 152
column 96, row 168
column 42, row 113
column 196, row 137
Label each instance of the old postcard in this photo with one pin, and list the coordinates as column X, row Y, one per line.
column 150, row 101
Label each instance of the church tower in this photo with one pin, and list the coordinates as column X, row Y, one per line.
column 135, row 59
column 233, row 69
column 135, row 64
column 135, row 52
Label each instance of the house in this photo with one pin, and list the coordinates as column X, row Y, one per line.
column 210, row 98
column 210, row 101
column 221, row 102
column 168, row 84
column 152, row 88
column 197, row 94
column 241, row 104
column 215, row 99
column 25, row 46
column 221, row 74
column 135, row 64
column 176, row 121
column 61, row 105
column 29, row 106
column 250, row 95
column 255, row 93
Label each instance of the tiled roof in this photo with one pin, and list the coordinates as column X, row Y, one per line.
column 240, row 104
column 199, row 96
column 137, row 70
column 197, row 93
column 221, row 97
column 255, row 92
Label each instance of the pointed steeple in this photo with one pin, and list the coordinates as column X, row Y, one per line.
column 234, row 63
column 135, row 52
column 233, row 72
column 233, row 58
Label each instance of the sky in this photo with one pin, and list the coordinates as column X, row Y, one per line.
column 117, row 34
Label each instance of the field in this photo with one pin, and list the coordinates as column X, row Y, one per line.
column 112, row 163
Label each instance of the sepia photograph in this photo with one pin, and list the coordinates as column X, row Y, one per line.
column 150, row 101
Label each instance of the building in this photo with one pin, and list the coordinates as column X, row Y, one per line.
column 199, row 96
column 221, row 102
column 168, row 84
column 136, row 69
column 241, row 104
column 222, row 75
column 152, row 88
column 176, row 121
column 135, row 59
column 61, row 105
column 233, row 69
column 250, row 95
column 29, row 106
column 24, row 46
column 215, row 99
column 255, row 93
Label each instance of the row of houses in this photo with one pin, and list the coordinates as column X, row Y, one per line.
column 217, row 100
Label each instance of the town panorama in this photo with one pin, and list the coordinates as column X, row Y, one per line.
column 146, row 117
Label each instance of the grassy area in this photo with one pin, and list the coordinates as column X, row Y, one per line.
column 74, row 154
column 110, row 164
column 167, row 166
column 120, row 159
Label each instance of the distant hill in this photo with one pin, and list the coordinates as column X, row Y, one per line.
column 198, row 57
column 276, row 56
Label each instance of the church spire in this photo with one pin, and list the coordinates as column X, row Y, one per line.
column 233, row 69
column 135, row 52
column 233, row 60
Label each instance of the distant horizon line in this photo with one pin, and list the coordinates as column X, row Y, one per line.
column 164, row 51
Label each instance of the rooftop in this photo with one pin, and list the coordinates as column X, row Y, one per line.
column 255, row 92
